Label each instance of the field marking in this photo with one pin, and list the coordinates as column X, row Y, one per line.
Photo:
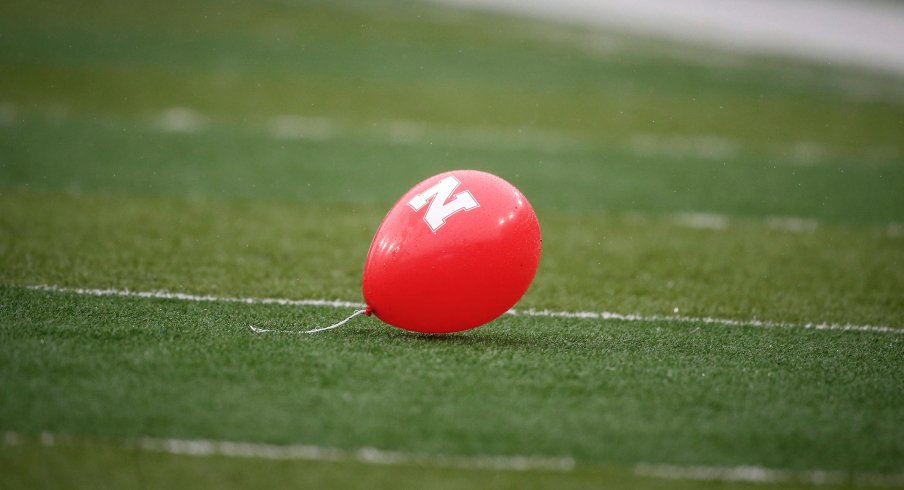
column 759, row 474
column 126, row 293
column 792, row 223
column 368, row 455
column 700, row 221
column 181, row 120
column 306, row 452
column 604, row 315
column 531, row 312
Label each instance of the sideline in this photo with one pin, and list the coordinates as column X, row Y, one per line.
column 860, row 33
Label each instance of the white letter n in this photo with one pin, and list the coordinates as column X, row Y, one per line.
column 439, row 209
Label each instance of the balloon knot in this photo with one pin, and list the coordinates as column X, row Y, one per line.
column 368, row 310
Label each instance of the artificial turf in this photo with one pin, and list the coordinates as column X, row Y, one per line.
column 666, row 178
column 91, row 464
column 613, row 392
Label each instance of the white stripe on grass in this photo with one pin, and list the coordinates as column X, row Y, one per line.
column 591, row 315
column 792, row 224
column 759, row 474
column 363, row 455
column 604, row 315
column 408, row 132
column 181, row 120
column 702, row 221
column 202, row 298
column 306, row 452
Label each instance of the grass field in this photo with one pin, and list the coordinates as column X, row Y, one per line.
column 250, row 150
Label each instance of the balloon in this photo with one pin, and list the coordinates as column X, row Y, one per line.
column 457, row 250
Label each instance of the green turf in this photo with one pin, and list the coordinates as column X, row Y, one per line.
column 246, row 162
column 622, row 263
column 614, row 392
column 613, row 139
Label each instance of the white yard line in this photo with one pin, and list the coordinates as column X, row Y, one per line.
column 604, row 315
column 759, row 474
column 181, row 120
column 201, row 298
column 712, row 148
column 592, row 315
column 363, row 455
column 792, row 224
column 306, row 452
column 701, row 221
column 367, row 455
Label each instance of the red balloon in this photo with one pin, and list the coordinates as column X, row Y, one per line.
column 458, row 250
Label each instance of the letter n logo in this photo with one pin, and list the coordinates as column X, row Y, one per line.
column 439, row 209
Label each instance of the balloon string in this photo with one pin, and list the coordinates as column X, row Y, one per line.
column 366, row 311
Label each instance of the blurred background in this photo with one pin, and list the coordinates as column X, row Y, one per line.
column 196, row 98
column 860, row 34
